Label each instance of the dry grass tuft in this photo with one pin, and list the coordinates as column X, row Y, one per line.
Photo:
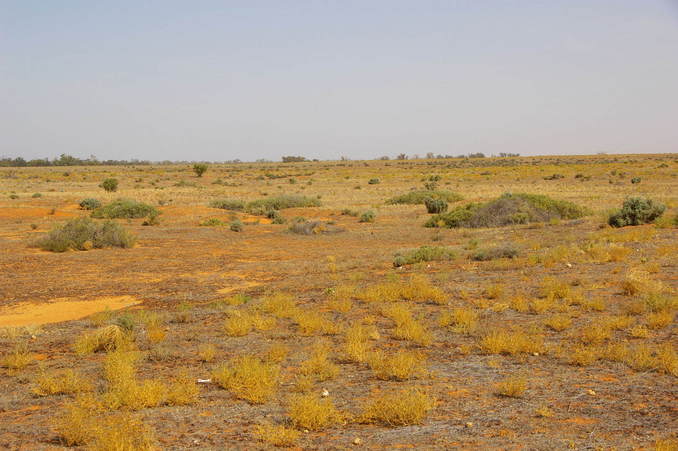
column 61, row 382
column 318, row 365
column 558, row 322
column 400, row 366
column 357, row 342
column 207, row 352
column 503, row 341
column 461, row 320
column 277, row 352
column 639, row 282
column 18, row 359
column 248, row 378
column 512, row 387
column 311, row 412
column 109, row 338
column 405, row 408
column 277, row 435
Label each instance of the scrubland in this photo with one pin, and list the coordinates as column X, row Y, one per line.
column 496, row 303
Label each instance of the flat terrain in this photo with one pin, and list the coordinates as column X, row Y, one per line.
column 584, row 314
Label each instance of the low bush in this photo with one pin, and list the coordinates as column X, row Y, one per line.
column 418, row 197
column 83, row 234
column 228, row 204
column 368, row 216
column 248, row 378
column 236, row 226
column 636, row 211
column 506, row 210
column 262, row 206
column 110, row 185
column 423, row 254
column 405, row 408
column 435, row 206
column 373, row 181
column 505, row 251
column 212, row 222
column 90, row 204
column 304, row 227
column 124, row 209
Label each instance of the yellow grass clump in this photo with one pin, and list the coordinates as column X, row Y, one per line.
column 357, row 342
column 319, row 365
column 61, row 382
column 512, row 387
column 19, row 358
column 503, row 341
column 399, row 366
column 311, row 412
column 108, row 338
column 277, row 435
column 248, row 378
column 461, row 320
column 404, row 408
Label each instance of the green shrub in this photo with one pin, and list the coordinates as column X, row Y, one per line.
column 635, row 180
column 349, row 212
column 436, row 206
column 636, row 211
column 212, row 222
column 236, row 226
column 368, row 216
column 373, row 181
column 505, row 251
column 90, row 204
column 124, row 208
column 508, row 209
column 152, row 219
column 110, row 185
column 275, row 217
column 36, row 195
column 13, row 196
column 423, row 254
column 262, row 206
column 418, row 197
column 228, row 204
column 199, row 169
column 83, row 234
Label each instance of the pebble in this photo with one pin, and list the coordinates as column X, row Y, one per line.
column 357, row 441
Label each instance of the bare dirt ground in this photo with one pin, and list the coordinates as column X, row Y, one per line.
column 182, row 272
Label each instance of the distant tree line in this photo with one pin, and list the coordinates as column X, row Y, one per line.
column 69, row 160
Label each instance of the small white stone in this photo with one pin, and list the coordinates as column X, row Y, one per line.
column 325, row 393
column 468, row 424
column 357, row 441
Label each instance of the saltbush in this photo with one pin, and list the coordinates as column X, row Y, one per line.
column 423, row 254
column 228, row 204
column 418, row 197
column 435, row 206
column 262, row 206
column 508, row 209
column 90, row 204
column 124, row 208
column 83, row 234
column 110, row 185
column 636, row 211
column 368, row 216
column 505, row 251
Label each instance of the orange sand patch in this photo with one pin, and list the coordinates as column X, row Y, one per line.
column 60, row 310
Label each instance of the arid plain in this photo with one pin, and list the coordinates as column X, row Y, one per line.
column 345, row 324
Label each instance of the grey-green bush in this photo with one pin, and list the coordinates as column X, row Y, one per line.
column 423, row 254
column 90, row 204
column 124, row 208
column 435, row 206
column 83, row 233
column 636, row 211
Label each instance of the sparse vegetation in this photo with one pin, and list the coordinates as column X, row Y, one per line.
column 82, row 234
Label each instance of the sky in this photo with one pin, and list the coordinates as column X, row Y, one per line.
column 220, row 80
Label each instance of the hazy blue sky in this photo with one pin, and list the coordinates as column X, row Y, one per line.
column 217, row 80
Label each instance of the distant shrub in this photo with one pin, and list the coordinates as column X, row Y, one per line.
column 152, row 219
column 368, row 216
column 124, row 208
column 423, row 254
column 435, row 206
column 199, row 169
column 554, row 177
column 506, row 251
column 90, row 204
column 636, row 211
column 83, row 234
column 349, row 212
column 262, row 206
column 304, row 227
column 36, row 195
column 418, row 197
column 110, row 185
column 275, row 217
column 212, row 222
column 236, row 226
column 13, row 196
column 228, row 204
column 373, row 181
column 635, row 180
column 508, row 209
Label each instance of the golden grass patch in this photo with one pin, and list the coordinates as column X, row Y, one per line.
column 277, row 435
column 248, row 378
column 308, row 411
column 407, row 407
column 400, row 366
